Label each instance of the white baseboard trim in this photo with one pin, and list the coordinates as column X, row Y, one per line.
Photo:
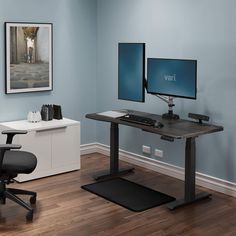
column 210, row 182
column 88, row 148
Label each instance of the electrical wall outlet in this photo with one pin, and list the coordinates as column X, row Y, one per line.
column 158, row 153
column 146, row 149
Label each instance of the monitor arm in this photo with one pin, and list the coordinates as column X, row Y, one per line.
column 170, row 101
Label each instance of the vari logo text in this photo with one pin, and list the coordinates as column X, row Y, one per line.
column 171, row 78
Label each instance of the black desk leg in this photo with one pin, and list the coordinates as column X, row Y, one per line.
column 114, row 148
column 114, row 156
column 190, row 176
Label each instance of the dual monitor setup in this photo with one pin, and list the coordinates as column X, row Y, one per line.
column 166, row 78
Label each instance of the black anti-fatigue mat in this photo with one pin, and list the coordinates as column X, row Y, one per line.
column 132, row 196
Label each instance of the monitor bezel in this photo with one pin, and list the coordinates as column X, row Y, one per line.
column 143, row 80
column 171, row 95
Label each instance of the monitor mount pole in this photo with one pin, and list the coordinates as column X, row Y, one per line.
column 170, row 101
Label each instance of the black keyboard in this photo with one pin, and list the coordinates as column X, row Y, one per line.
column 138, row 119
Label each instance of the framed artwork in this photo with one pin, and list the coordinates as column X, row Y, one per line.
column 28, row 57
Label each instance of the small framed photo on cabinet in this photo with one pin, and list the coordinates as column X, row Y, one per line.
column 28, row 49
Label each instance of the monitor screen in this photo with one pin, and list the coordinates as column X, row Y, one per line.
column 131, row 71
column 172, row 77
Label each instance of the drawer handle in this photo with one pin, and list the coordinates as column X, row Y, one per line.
column 50, row 129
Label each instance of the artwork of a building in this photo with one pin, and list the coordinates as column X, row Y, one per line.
column 29, row 57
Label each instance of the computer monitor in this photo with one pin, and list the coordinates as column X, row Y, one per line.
column 131, row 71
column 173, row 78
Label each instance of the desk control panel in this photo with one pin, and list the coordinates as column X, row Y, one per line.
column 142, row 120
column 167, row 138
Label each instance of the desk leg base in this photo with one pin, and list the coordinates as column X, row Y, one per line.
column 109, row 175
column 182, row 202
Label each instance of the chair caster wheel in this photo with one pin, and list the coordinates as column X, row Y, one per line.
column 29, row 216
column 33, row 200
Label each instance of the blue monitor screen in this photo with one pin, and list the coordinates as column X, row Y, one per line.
column 172, row 77
column 131, row 71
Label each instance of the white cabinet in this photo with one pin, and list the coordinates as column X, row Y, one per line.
column 55, row 143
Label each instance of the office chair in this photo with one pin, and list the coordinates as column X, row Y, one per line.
column 12, row 163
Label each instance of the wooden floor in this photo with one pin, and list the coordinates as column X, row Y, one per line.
column 63, row 208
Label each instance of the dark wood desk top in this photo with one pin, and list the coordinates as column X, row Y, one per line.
column 172, row 128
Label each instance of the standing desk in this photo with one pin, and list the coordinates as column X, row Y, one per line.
column 173, row 129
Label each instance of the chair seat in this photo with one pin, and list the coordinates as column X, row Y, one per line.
column 19, row 162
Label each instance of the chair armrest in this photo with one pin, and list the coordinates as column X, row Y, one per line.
column 9, row 146
column 14, row 131
column 11, row 133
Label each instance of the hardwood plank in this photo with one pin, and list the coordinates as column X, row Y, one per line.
column 63, row 208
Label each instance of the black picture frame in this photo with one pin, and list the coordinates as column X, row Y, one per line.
column 28, row 57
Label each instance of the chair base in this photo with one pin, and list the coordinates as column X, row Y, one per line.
column 10, row 193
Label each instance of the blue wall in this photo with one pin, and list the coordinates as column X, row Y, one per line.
column 202, row 30
column 74, row 53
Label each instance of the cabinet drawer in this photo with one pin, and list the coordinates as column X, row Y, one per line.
column 66, row 147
